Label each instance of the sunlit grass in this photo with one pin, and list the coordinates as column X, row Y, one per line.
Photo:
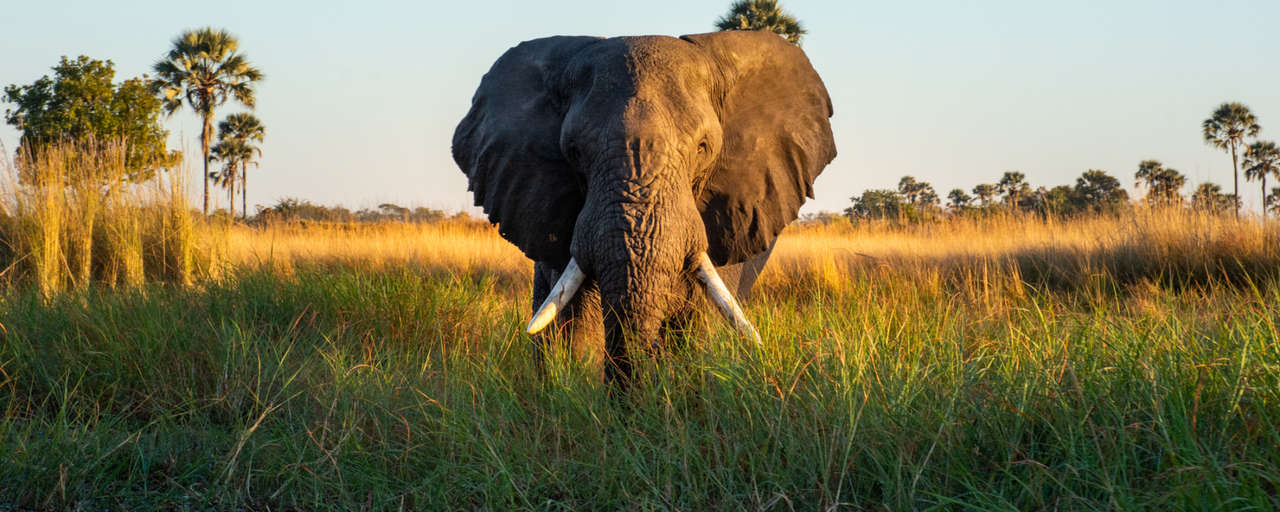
column 1174, row 246
column 341, row 387
column 68, row 219
column 458, row 246
column 1004, row 364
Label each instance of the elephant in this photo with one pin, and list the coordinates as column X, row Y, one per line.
column 639, row 172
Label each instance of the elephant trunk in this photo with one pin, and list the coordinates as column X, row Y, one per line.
column 638, row 236
column 640, row 261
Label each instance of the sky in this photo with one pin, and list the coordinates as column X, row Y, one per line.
column 361, row 98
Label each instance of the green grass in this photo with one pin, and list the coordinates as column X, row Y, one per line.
column 344, row 389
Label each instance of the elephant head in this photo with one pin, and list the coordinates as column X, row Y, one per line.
column 639, row 162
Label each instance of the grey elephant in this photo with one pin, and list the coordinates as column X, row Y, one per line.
column 640, row 172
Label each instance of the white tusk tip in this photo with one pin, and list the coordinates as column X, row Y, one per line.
column 723, row 298
column 560, row 296
column 542, row 319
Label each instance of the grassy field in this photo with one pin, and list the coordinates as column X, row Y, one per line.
column 1000, row 364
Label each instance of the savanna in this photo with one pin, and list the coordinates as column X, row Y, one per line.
column 1010, row 346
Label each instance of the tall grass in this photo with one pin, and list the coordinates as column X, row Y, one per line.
column 457, row 246
column 1167, row 247
column 1006, row 364
column 1172, row 247
column 344, row 388
column 68, row 219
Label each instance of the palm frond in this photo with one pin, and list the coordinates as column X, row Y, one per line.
column 762, row 15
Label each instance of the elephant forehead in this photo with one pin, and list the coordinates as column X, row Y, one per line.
column 640, row 63
column 662, row 57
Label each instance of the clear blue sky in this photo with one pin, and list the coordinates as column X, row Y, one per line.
column 361, row 98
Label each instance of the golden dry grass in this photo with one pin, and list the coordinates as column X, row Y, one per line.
column 73, row 230
column 1174, row 247
column 69, row 217
column 461, row 247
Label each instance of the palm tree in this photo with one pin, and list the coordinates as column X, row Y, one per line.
column 233, row 154
column 245, row 129
column 1163, row 183
column 959, row 200
column 229, row 153
column 1208, row 197
column 1147, row 171
column 762, row 15
column 1260, row 159
column 916, row 192
column 985, row 192
column 204, row 68
column 1013, row 186
column 1226, row 130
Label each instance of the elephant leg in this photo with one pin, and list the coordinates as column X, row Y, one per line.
column 579, row 328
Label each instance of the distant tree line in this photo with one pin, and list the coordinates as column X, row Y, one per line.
column 1094, row 192
column 292, row 209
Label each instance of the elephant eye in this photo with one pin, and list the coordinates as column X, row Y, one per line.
column 703, row 148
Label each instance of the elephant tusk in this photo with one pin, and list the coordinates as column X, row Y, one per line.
column 724, row 300
column 561, row 294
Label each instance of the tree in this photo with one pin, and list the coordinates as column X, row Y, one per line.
column 762, row 15
column 1147, row 170
column 958, row 200
column 234, row 154
column 226, row 176
column 1262, row 158
column 204, row 68
column 1164, row 184
column 424, row 214
column 80, row 102
column 394, row 211
column 875, row 204
column 929, row 198
column 1273, row 200
column 918, row 193
column 1098, row 192
column 1013, row 187
column 237, row 134
column 1226, row 130
column 985, row 192
column 1052, row 201
column 1208, row 197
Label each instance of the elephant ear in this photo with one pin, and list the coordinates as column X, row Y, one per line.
column 777, row 138
column 508, row 145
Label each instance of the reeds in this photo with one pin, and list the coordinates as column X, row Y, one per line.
column 69, row 218
column 1170, row 247
column 453, row 246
